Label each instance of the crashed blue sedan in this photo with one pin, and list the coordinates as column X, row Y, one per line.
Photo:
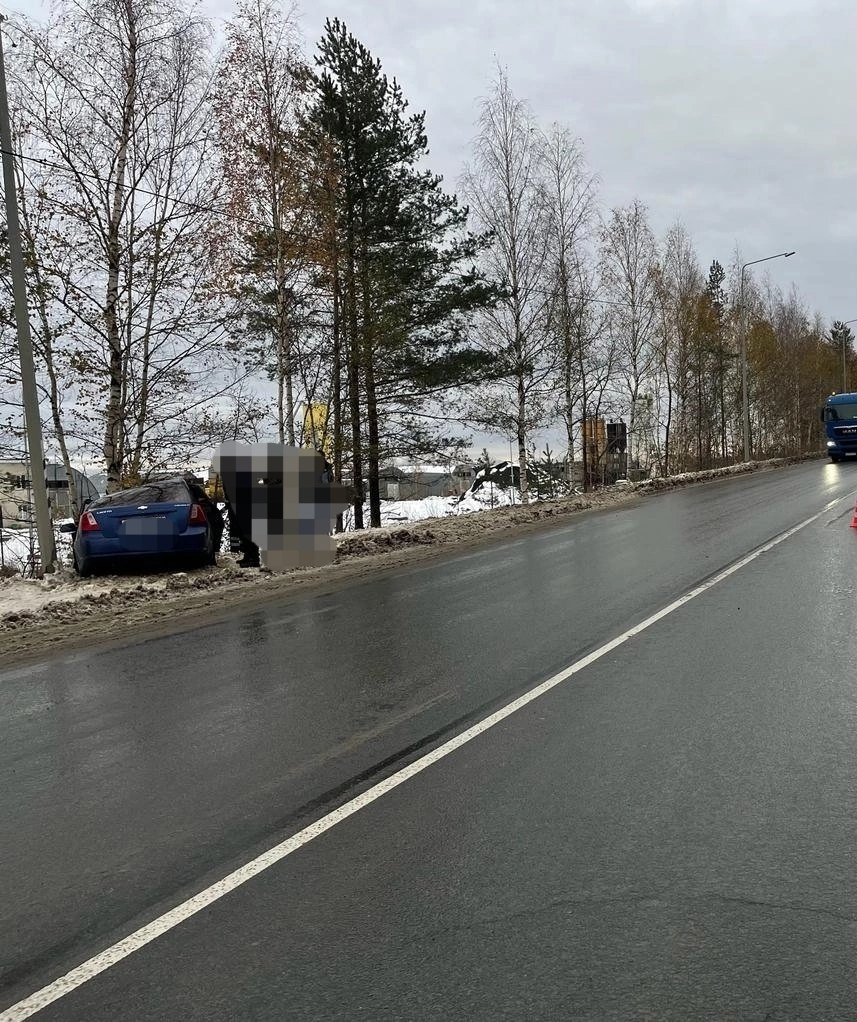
column 152, row 525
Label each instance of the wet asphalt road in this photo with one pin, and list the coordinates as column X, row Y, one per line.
column 671, row 834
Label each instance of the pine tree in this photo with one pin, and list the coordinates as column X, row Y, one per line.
column 842, row 340
column 721, row 354
column 407, row 288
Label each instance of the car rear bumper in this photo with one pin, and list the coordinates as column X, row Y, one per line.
column 103, row 548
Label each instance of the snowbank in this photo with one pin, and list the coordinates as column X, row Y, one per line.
column 22, row 599
column 24, row 596
column 19, row 548
column 488, row 496
column 745, row 467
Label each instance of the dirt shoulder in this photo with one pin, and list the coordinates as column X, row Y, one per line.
column 41, row 619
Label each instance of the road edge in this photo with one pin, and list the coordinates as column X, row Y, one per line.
column 29, row 642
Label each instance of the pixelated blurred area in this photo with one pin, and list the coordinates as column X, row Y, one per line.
column 282, row 503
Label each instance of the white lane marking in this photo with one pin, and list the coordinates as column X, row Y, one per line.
column 151, row 931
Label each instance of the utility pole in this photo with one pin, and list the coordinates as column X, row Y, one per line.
column 47, row 546
column 745, row 400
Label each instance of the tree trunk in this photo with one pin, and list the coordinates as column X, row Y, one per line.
column 285, row 389
column 374, row 447
column 281, row 376
column 354, row 374
column 290, row 393
column 337, row 379
column 59, row 428
column 632, row 421
column 668, row 427
column 374, row 451
column 285, row 381
column 721, row 388
column 569, row 409
column 143, row 402
column 584, row 408
column 522, row 441
column 112, row 447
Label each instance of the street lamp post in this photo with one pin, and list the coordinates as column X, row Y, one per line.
column 745, row 401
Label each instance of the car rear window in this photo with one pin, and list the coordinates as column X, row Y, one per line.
column 169, row 491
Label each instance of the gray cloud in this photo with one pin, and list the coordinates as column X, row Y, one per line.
column 737, row 117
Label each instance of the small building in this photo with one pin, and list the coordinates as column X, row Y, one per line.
column 16, row 494
column 414, row 482
column 58, row 489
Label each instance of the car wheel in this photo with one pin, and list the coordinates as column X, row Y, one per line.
column 83, row 566
column 835, row 458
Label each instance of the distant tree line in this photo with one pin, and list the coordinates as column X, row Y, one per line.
column 219, row 240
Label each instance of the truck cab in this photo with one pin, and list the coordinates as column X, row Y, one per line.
column 839, row 416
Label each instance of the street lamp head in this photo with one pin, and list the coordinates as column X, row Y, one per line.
column 766, row 259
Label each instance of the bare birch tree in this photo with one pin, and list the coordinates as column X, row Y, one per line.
column 573, row 317
column 260, row 81
column 629, row 260
column 680, row 285
column 117, row 137
column 505, row 189
column 38, row 220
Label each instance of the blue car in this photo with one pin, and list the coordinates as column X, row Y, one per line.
column 165, row 521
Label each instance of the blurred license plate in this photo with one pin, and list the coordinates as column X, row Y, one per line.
column 151, row 526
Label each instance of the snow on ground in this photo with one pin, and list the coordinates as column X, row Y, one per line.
column 21, row 598
column 394, row 512
column 18, row 546
column 28, row 595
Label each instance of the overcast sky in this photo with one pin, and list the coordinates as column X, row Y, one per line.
column 737, row 116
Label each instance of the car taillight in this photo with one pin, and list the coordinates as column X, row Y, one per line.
column 89, row 523
column 197, row 515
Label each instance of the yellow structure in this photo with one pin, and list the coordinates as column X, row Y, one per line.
column 315, row 432
column 595, row 438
